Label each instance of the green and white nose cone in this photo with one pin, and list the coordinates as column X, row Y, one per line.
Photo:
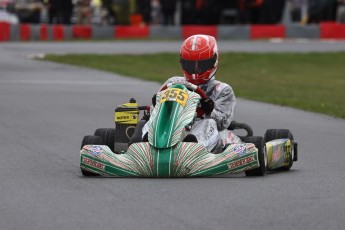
column 183, row 160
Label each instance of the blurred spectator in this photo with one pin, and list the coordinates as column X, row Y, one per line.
column 272, row 11
column 341, row 11
column 321, row 10
column 296, row 10
column 250, row 11
column 108, row 14
column 84, row 12
column 8, row 17
column 150, row 12
column 188, row 14
column 123, row 10
column 144, row 8
column 314, row 11
column 52, row 9
column 66, row 11
column 168, row 11
column 329, row 9
column 59, row 11
column 156, row 16
column 7, row 5
column 201, row 12
column 96, row 11
column 28, row 11
column 229, row 12
column 210, row 11
column 6, row 12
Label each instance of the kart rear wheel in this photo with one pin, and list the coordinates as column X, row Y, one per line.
column 272, row 134
column 108, row 136
column 91, row 140
column 262, row 155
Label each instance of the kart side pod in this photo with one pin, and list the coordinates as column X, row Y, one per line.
column 126, row 118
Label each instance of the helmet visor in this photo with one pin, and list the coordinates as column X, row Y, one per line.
column 198, row 67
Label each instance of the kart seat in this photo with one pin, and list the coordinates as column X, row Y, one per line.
column 190, row 138
column 137, row 135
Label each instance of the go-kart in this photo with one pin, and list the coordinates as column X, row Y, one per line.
column 165, row 152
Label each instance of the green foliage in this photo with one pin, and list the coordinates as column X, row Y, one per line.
column 313, row 81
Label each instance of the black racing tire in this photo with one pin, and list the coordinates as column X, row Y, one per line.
column 273, row 134
column 91, row 140
column 108, row 136
column 259, row 144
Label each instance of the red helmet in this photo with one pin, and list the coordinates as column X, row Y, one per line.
column 199, row 58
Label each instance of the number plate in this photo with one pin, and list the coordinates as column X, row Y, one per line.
column 178, row 95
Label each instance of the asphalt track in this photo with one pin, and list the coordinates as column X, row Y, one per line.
column 46, row 109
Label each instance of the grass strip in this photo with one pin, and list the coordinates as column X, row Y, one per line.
column 313, row 81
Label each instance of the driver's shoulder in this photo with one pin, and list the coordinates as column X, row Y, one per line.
column 222, row 86
column 176, row 79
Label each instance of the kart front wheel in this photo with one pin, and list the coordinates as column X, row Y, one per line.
column 262, row 156
column 90, row 140
column 272, row 134
column 108, row 136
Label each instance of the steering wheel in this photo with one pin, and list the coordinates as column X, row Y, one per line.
column 193, row 88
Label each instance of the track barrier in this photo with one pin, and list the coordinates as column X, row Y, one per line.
column 44, row 32
column 5, row 31
column 132, row 32
column 332, row 30
column 191, row 30
column 267, row 31
column 25, row 32
column 58, row 33
column 82, row 32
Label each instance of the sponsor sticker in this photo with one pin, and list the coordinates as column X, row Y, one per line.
column 178, row 95
column 241, row 162
column 276, row 155
column 127, row 117
column 240, row 150
column 93, row 163
column 93, row 149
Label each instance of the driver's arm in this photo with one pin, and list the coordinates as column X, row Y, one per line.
column 224, row 105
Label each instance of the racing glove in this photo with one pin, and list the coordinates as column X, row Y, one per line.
column 207, row 105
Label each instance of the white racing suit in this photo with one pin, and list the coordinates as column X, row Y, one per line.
column 212, row 130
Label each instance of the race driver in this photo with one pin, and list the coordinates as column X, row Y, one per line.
column 199, row 59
